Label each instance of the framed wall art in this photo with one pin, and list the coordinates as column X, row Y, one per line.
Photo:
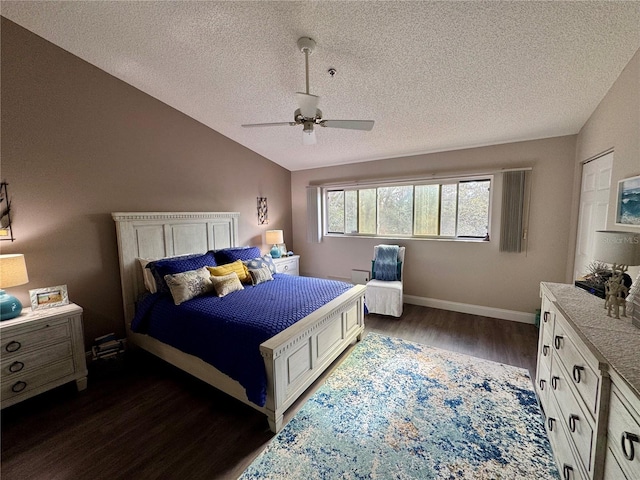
column 49, row 297
column 628, row 206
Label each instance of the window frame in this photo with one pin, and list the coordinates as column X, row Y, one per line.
column 413, row 183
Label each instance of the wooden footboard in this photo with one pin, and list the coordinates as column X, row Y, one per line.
column 293, row 359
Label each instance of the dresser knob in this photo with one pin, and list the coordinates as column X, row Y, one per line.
column 16, row 367
column 576, row 373
column 554, row 382
column 18, row 386
column 545, row 350
column 550, row 423
column 556, row 341
column 567, row 472
column 13, row 346
column 572, row 422
column 542, row 384
column 630, row 437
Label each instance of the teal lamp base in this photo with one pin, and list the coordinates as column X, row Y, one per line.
column 10, row 306
column 275, row 252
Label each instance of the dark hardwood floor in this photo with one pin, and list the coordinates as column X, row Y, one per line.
column 143, row 419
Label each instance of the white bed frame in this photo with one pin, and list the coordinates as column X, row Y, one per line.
column 293, row 359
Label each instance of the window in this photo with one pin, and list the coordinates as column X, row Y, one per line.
column 455, row 208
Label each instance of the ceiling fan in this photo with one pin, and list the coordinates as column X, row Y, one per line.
column 308, row 115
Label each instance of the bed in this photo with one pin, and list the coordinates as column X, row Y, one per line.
column 293, row 358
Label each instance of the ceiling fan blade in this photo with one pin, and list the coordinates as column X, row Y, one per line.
column 308, row 104
column 350, row 124
column 275, row 124
column 309, row 137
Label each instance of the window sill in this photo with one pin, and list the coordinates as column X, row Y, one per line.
column 420, row 239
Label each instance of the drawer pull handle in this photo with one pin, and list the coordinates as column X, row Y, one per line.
column 554, row 382
column 545, row 350
column 13, row 346
column 556, row 341
column 18, row 386
column 567, row 472
column 629, row 455
column 550, row 423
column 545, row 317
column 542, row 383
column 572, row 422
column 576, row 373
column 16, row 367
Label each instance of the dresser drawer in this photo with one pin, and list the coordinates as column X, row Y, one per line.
column 565, row 462
column 543, row 381
column 577, row 426
column 624, row 434
column 579, row 371
column 612, row 470
column 288, row 266
column 18, row 364
column 31, row 337
column 23, row 384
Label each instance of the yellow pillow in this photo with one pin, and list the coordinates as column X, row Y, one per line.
column 238, row 267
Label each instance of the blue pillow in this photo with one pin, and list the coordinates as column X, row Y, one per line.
column 171, row 266
column 230, row 255
column 398, row 272
column 259, row 262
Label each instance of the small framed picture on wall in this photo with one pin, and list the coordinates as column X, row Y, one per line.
column 628, row 206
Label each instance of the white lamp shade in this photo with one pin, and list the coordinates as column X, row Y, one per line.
column 13, row 270
column 622, row 248
column 274, row 237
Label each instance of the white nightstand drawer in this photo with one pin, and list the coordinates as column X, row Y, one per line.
column 23, row 384
column 30, row 337
column 288, row 265
column 19, row 364
column 624, row 435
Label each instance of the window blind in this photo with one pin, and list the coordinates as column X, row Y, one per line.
column 513, row 209
column 314, row 216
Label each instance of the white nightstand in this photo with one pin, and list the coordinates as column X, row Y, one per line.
column 289, row 265
column 41, row 350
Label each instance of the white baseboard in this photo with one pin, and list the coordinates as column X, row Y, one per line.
column 492, row 312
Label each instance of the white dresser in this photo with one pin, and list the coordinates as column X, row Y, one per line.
column 289, row 265
column 41, row 350
column 588, row 385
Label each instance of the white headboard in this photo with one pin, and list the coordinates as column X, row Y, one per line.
column 165, row 234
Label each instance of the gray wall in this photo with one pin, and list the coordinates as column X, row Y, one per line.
column 454, row 271
column 78, row 144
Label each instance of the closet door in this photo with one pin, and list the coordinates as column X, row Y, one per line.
column 594, row 203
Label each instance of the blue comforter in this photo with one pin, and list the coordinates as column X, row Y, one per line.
column 227, row 332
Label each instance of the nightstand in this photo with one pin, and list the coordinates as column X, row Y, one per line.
column 40, row 350
column 289, row 265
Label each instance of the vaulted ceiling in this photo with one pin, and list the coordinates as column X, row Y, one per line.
column 433, row 75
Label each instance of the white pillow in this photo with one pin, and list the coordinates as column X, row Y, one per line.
column 147, row 275
column 225, row 284
column 187, row 285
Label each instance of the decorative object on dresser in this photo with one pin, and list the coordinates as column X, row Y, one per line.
column 289, row 265
column 41, row 350
column 588, row 386
column 13, row 272
column 49, row 297
column 275, row 238
column 621, row 249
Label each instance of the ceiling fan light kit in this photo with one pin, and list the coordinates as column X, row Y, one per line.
column 308, row 114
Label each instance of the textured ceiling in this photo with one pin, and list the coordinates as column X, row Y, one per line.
column 433, row 75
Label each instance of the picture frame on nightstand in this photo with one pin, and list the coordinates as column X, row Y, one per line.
column 49, row 297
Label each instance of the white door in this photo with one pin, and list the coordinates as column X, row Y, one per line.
column 594, row 203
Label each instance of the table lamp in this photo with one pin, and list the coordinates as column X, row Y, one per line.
column 275, row 237
column 622, row 250
column 13, row 272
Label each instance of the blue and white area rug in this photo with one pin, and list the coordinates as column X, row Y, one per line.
column 399, row 410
